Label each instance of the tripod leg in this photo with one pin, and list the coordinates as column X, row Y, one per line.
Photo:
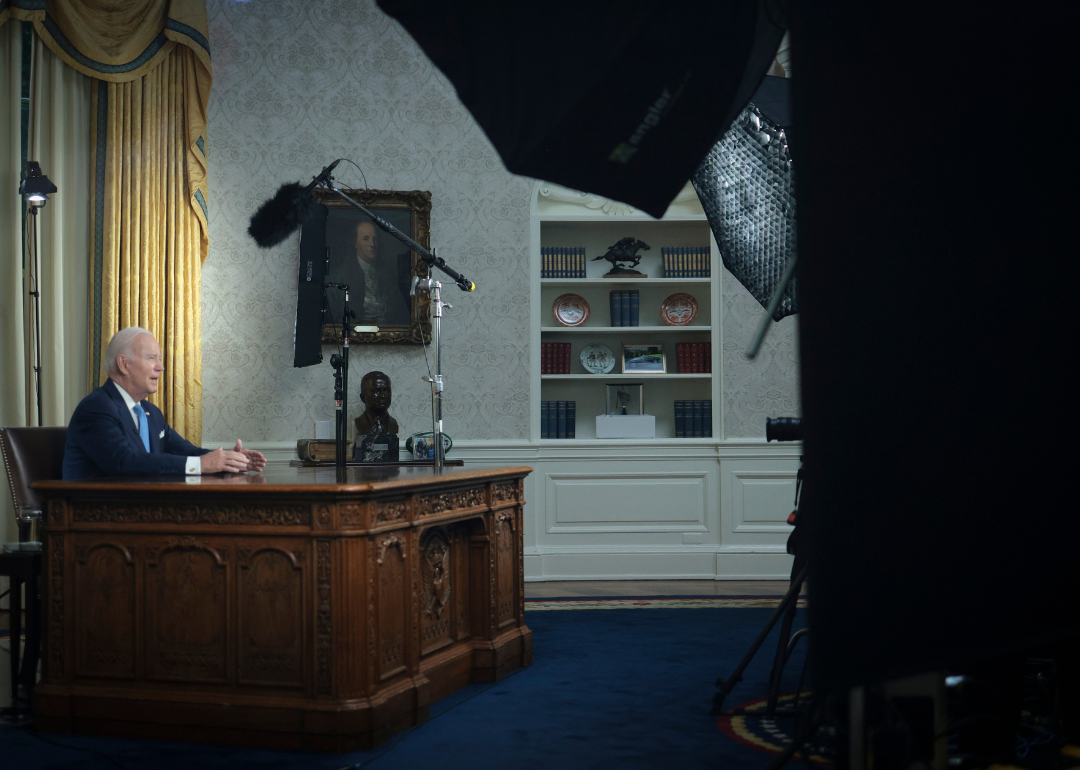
column 781, row 656
column 782, row 642
column 725, row 686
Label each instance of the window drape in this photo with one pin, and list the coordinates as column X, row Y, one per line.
column 150, row 60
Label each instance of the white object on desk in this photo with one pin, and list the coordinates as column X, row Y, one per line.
column 324, row 430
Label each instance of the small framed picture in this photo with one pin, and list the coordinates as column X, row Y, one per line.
column 643, row 357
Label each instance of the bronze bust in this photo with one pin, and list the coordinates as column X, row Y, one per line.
column 376, row 395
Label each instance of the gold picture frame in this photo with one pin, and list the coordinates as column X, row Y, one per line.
column 401, row 318
column 643, row 358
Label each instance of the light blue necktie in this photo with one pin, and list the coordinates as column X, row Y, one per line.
column 144, row 429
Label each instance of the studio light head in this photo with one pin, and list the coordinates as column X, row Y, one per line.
column 35, row 188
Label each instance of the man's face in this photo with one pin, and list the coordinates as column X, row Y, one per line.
column 377, row 393
column 142, row 367
column 367, row 241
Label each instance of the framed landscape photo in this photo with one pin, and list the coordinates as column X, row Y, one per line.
column 377, row 267
column 644, row 358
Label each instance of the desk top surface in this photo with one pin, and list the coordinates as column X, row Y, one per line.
column 280, row 478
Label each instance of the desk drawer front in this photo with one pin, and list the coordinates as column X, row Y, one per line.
column 207, row 610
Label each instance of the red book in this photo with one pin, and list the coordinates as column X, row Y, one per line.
column 680, row 355
column 697, row 358
column 708, row 358
column 566, row 358
column 545, row 358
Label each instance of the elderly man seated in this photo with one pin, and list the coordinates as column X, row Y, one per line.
column 116, row 432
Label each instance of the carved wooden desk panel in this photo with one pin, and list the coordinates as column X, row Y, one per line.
column 296, row 609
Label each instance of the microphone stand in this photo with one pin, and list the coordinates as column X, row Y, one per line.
column 437, row 305
column 341, row 384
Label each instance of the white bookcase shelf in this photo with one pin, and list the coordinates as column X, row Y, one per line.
column 565, row 218
column 623, row 329
column 614, row 376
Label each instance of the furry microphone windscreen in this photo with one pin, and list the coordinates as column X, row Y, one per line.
column 276, row 219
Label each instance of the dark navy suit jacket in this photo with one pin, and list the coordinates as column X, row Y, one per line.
column 102, row 440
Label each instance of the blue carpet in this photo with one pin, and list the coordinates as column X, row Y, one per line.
column 623, row 689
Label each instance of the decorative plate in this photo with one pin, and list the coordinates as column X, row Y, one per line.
column 678, row 310
column 571, row 310
column 597, row 358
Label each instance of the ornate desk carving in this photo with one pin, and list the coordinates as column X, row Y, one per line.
column 282, row 609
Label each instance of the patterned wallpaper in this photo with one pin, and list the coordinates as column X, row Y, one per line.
column 768, row 386
column 297, row 84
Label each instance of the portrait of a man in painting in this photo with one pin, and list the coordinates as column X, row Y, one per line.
column 377, row 267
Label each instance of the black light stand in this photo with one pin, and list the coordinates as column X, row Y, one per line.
column 35, row 189
column 437, row 305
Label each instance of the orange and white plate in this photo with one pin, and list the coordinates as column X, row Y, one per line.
column 679, row 310
column 570, row 310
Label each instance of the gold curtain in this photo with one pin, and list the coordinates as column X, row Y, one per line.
column 151, row 60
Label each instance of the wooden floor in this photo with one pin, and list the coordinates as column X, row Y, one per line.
column 561, row 589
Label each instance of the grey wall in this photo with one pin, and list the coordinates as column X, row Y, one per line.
column 297, row 84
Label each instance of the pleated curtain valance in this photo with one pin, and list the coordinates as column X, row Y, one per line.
column 149, row 234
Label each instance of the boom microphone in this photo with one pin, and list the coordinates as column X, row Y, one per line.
column 291, row 206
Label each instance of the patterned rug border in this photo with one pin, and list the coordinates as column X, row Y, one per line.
column 655, row 602
column 765, row 734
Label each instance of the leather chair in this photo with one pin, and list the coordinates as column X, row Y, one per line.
column 32, row 454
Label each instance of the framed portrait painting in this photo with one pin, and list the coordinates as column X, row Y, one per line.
column 377, row 267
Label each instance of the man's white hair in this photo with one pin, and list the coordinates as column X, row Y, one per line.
column 120, row 345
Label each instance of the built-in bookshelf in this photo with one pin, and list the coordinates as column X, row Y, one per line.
column 566, row 221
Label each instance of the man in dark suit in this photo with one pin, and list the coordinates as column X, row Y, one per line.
column 116, row 432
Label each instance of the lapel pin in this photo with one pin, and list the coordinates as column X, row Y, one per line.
column 162, row 434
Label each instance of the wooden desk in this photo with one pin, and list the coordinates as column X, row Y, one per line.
column 296, row 609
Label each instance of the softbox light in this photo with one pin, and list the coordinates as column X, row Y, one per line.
column 618, row 100
column 746, row 186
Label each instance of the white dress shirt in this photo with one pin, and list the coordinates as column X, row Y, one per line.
column 193, row 466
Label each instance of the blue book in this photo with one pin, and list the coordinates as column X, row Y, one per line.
column 553, row 426
column 571, row 419
column 561, row 423
column 706, row 418
column 680, row 419
column 625, row 308
column 635, row 302
column 581, row 261
column 544, row 419
column 616, row 308
column 695, row 431
column 543, row 262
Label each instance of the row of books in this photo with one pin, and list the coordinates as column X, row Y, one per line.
column 624, row 307
column 693, row 357
column 558, row 419
column 686, row 261
column 562, row 262
column 554, row 358
column 693, row 418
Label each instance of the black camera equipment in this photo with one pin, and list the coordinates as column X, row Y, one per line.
column 776, row 429
column 783, row 429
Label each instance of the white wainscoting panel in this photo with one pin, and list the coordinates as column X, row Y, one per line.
column 626, row 502
column 757, row 496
